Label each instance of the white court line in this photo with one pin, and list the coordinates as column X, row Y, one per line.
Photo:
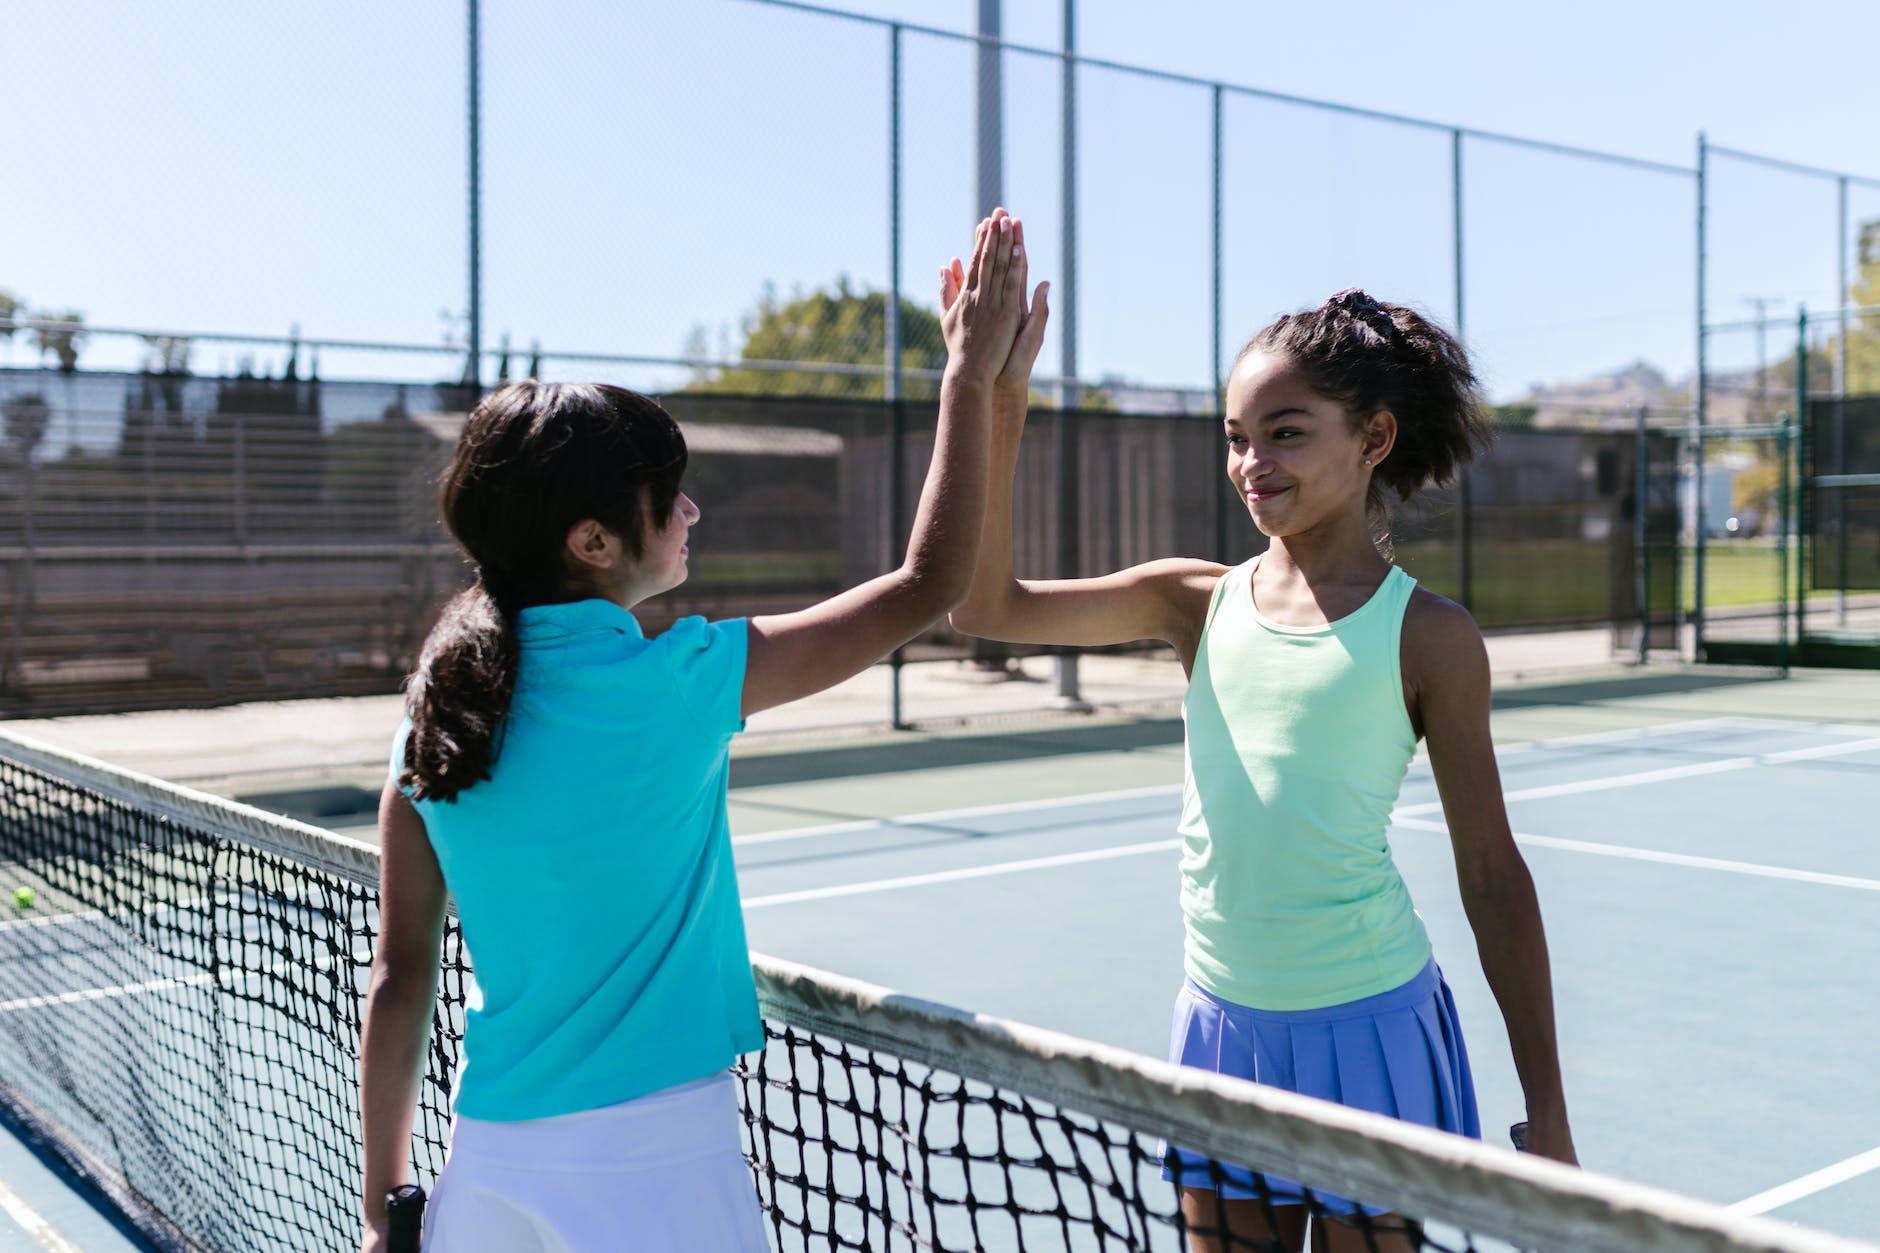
column 1809, row 1184
column 1671, row 859
column 1169, row 789
column 954, row 815
column 93, row 915
column 1670, row 772
column 1403, row 817
column 101, row 994
column 1824, row 750
column 969, row 872
column 33, row 1223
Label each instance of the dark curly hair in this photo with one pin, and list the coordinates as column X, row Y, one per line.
column 533, row 460
column 1368, row 355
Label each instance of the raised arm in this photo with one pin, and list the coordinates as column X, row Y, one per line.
column 1160, row 600
column 399, row 1003
column 795, row 654
column 1447, row 668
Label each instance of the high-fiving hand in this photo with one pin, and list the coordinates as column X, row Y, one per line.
column 980, row 316
column 1014, row 373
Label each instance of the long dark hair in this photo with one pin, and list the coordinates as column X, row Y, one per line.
column 1368, row 355
column 533, row 460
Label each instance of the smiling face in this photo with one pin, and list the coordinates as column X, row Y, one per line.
column 1295, row 456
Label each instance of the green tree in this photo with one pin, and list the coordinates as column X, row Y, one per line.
column 1863, row 338
column 11, row 307
column 843, row 327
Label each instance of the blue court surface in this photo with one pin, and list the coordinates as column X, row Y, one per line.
column 1711, row 890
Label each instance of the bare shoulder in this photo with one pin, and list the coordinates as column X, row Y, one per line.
column 1186, row 585
column 1184, row 576
column 1441, row 643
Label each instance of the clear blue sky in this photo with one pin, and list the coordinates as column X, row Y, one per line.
column 649, row 168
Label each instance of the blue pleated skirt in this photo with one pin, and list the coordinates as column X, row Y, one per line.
column 1398, row 1053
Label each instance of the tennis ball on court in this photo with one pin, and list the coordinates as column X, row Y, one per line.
column 24, row 898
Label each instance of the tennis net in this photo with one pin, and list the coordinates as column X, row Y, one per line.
column 179, row 1016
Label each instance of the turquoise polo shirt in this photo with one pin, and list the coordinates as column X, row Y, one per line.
column 592, row 871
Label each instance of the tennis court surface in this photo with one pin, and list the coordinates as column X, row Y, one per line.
column 181, row 1001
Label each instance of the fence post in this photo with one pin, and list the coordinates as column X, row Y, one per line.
column 240, row 478
column 1063, row 438
column 473, row 366
column 1701, row 399
column 23, row 588
column 897, row 440
column 1641, row 535
column 1218, row 497
column 1465, row 530
column 1804, row 506
column 1782, row 489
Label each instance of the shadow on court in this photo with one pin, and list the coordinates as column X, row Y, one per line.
column 926, row 751
column 1644, row 683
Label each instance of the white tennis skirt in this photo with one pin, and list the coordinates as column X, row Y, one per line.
column 664, row 1173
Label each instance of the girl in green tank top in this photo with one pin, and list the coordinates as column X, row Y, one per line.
column 1314, row 670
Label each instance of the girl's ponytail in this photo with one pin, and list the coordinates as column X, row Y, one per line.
column 533, row 460
column 459, row 696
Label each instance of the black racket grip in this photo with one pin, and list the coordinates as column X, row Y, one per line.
column 1518, row 1134
column 404, row 1212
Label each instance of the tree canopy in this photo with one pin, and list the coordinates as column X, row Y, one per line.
column 843, row 327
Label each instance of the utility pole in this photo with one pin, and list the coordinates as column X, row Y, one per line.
column 1761, row 304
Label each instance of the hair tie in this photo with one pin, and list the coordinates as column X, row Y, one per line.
column 1359, row 304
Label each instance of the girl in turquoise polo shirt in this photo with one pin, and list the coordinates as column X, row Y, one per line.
column 563, row 777
column 1314, row 669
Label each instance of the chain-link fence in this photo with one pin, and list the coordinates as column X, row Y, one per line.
column 749, row 199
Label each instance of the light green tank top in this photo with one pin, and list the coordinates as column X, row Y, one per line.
column 1297, row 744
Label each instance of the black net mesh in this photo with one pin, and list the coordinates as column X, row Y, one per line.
column 856, row 1149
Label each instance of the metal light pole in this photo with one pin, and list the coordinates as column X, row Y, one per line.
column 990, row 186
column 991, row 109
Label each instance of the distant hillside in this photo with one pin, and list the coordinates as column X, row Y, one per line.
column 1616, row 397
